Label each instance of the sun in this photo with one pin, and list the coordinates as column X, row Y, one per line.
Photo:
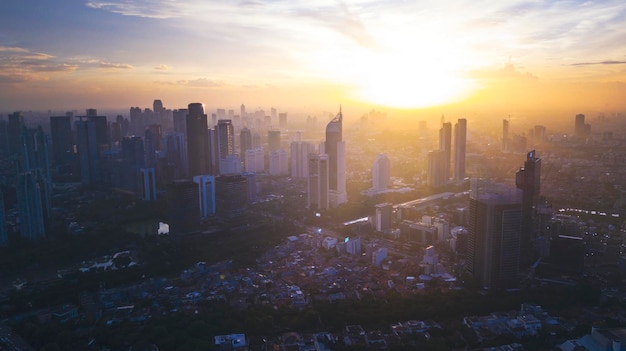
column 408, row 81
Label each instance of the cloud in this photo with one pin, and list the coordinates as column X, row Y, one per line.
column 20, row 65
column 148, row 9
column 505, row 73
column 608, row 62
column 163, row 68
column 103, row 64
column 196, row 83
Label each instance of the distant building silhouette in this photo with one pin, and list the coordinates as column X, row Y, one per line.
column 148, row 184
column 206, row 194
column 505, row 135
column 279, row 162
column 300, row 158
column 437, row 175
column 62, row 144
column 493, row 251
column 318, row 182
column 255, row 160
column 132, row 161
column 183, row 207
column 381, row 173
column 4, row 238
column 335, row 148
column 245, row 141
column 282, row 120
column 460, row 141
column 582, row 131
column 528, row 179
column 384, row 214
column 445, row 145
column 14, row 130
column 273, row 140
column 197, row 140
column 231, row 196
column 33, row 205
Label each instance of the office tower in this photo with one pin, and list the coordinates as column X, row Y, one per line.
column 579, row 126
column 149, row 148
column 242, row 111
column 91, row 112
column 381, row 173
column 335, row 148
column 245, row 141
column 528, row 179
column 180, row 120
column 88, row 154
column 197, row 141
column 318, row 182
column 132, row 161
column 157, row 106
column 148, row 184
column 230, row 164
column 221, row 113
column 231, row 196
column 539, row 134
column 505, row 135
column 206, row 192
column 282, row 120
column 14, row 130
column 493, row 251
column 273, row 113
column 225, row 138
column 4, row 138
column 176, row 153
column 253, row 189
column 278, row 162
column 62, row 144
column 255, row 160
column 384, row 213
column 4, row 238
column 183, row 206
column 299, row 158
column 445, row 144
column 33, row 205
column 460, row 136
column 256, row 141
column 436, row 176
column 273, row 140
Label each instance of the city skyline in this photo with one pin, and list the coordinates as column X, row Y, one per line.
column 291, row 54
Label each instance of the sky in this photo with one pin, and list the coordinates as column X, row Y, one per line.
column 413, row 54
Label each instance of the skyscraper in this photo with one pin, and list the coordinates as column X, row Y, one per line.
column 62, row 142
column 225, row 138
column 197, row 140
column 273, row 140
column 88, row 154
column 335, row 148
column 445, row 145
column 184, row 212
column 4, row 239
column 381, row 173
column 206, row 192
column 245, row 141
column 299, row 158
column 282, row 120
column 231, row 196
column 133, row 160
column 14, row 130
column 493, row 251
column 318, row 182
column 528, row 179
column 460, row 136
column 148, row 184
column 31, row 201
column 436, row 176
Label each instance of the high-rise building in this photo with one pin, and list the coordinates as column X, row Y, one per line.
column 460, row 136
column 149, row 147
column 493, row 252
column 157, row 106
column 384, row 213
column 245, row 141
column 183, row 206
column 180, row 120
column 32, row 204
column 197, row 140
column 231, row 196
column 88, row 153
column 14, row 130
column 206, row 192
column 225, row 138
column 231, row 164
column 273, row 140
column 579, row 126
column 335, row 148
column 299, row 158
column 528, row 179
column 4, row 239
column 381, row 173
column 253, row 188
column 176, row 153
column 505, row 135
column 132, row 161
column 62, row 143
column 4, row 138
column 282, row 120
column 278, row 162
column 255, row 160
column 318, row 182
column 436, row 176
column 148, row 184
column 445, row 145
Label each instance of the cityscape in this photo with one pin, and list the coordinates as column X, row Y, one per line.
column 304, row 178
